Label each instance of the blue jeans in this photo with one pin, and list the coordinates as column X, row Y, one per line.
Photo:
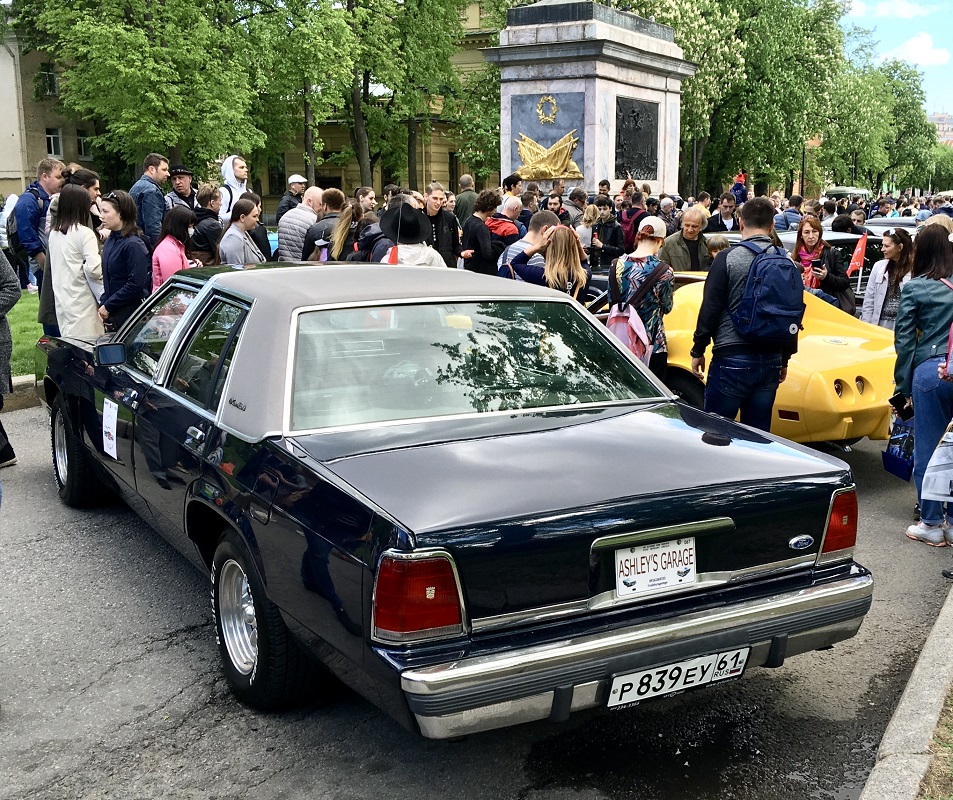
column 744, row 383
column 933, row 407
column 31, row 270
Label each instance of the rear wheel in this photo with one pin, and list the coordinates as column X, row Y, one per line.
column 687, row 387
column 264, row 665
column 73, row 466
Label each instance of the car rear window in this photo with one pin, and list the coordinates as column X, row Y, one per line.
column 364, row 365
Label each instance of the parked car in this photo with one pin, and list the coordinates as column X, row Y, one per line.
column 434, row 484
column 838, row 382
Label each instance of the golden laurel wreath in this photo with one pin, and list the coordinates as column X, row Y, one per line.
column 545, row 118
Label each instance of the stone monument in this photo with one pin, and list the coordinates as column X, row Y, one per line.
column 589, row 92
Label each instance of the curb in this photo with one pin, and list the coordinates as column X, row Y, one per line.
column 24, row 394
column 904, row 756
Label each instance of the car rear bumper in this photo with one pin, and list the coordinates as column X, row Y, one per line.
column 551, row 681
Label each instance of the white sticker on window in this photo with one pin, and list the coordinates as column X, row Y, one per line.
column 110, row 413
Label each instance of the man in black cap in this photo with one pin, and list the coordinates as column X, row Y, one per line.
column 408, row 228
column 182, row 193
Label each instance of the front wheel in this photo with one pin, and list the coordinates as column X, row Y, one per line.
column 73, row 468
column 264, row 665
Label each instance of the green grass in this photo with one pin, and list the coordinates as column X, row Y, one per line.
column 938, row 783
column 26, row 330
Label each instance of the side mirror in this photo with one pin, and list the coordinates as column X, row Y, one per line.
column 109, row 355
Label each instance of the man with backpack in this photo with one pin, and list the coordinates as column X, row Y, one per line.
column 26, row 226
column 752, row 308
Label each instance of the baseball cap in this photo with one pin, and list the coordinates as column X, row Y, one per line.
column 657, row 226
column 296, row 178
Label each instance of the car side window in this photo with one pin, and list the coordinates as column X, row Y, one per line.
column 201, row 370
column 147, row 338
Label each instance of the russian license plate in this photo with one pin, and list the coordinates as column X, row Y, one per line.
column 658, row 681
column 647, row 568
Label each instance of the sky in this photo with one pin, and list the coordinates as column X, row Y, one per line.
column 918, row 32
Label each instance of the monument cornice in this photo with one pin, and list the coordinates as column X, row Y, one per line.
column 604, row 50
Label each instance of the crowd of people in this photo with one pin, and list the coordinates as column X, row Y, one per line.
column 94, row 259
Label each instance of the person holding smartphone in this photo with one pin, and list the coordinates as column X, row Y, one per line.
column 821, row 265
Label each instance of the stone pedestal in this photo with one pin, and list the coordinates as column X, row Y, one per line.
column 601, row 83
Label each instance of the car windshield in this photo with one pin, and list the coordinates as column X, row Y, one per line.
column 363, row 365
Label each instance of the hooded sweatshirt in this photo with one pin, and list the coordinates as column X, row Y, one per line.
column 232, row 190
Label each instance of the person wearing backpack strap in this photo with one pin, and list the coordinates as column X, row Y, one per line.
column 752, row 344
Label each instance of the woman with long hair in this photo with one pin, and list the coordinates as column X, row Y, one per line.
column 175, row 242
column 821, row 264
column 565, row 269
column 589, row 218
column 476, row 245
column 236, row 245
column 259, row 234
column 632, row 271
column 887, row 277
column 920, row 337
column 125, row 261
column 346, row 230
column 76, row 267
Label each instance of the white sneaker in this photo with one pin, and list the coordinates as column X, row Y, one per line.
column 933, row 535
column 32, row 288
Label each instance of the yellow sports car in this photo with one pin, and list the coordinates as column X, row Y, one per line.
column 838, row 382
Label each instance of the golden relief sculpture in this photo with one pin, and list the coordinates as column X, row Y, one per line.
column 547, row 117
column 544, row 163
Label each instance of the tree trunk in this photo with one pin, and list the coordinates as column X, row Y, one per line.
column 309, row 154
column 412, row 142
column 175, row 155
column 358, row 131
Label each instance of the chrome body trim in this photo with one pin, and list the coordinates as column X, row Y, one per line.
column 469, row 695
column 647, row 535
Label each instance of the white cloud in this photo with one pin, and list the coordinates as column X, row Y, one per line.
column 902, row 9
column 919, row 51
column 858, row 8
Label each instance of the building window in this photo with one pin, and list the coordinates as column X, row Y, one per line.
column 276, row 174
column 48, row 80
column 83, row 148
column 54, row 142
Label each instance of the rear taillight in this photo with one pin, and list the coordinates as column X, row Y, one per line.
column 416, row 598
column 841, row 534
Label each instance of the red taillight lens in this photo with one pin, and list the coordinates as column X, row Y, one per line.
column 841, row 526
column 416, row 599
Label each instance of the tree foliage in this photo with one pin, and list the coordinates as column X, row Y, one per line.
column 474, row 116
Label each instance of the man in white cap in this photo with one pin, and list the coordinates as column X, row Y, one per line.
column 296, row 186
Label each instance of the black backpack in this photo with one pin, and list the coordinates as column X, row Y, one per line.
column 772, row 302
column 13, row 238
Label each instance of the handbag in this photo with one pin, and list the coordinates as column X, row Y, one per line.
column 846, row 301
column 898, row 457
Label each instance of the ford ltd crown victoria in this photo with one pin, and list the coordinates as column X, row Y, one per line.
column 457, row 494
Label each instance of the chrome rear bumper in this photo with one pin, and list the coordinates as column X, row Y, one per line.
column 551, row 681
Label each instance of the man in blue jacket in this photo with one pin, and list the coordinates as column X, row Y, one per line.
column 30, row 212
column 150, row 200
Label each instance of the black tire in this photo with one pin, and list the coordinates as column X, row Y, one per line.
column 74, row 468
column 687, row 387
column 263, row 663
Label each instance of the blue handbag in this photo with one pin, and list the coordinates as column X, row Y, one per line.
column 898, row 457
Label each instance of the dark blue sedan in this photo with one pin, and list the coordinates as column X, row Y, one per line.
column 458, row 494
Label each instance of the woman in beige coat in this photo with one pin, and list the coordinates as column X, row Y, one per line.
column 76, row 267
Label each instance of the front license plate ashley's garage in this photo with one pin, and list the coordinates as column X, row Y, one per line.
column 677, row 677
column 647, row 568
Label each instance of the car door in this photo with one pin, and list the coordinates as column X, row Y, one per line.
column 119, row 392
column 175, row 421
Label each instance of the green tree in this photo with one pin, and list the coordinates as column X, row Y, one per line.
column 474, row 116
column 167, row 76
column 911, row 145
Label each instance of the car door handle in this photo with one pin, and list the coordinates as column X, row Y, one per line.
column 195, row 434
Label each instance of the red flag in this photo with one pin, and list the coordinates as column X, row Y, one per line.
column 857, row 259
column 392, row 258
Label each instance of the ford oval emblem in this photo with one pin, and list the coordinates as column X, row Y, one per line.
column 801, row 542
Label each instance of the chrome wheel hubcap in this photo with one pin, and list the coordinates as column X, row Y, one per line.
column 60, row 459
column 236, row 609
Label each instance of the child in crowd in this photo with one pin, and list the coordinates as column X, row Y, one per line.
column 715, row 245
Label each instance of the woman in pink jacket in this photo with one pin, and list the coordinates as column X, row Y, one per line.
column 172, row 252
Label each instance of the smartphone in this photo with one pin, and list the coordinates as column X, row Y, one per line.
column 899, row 403
column 816, row 265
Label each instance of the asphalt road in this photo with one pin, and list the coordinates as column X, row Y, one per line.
column 110, row 687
